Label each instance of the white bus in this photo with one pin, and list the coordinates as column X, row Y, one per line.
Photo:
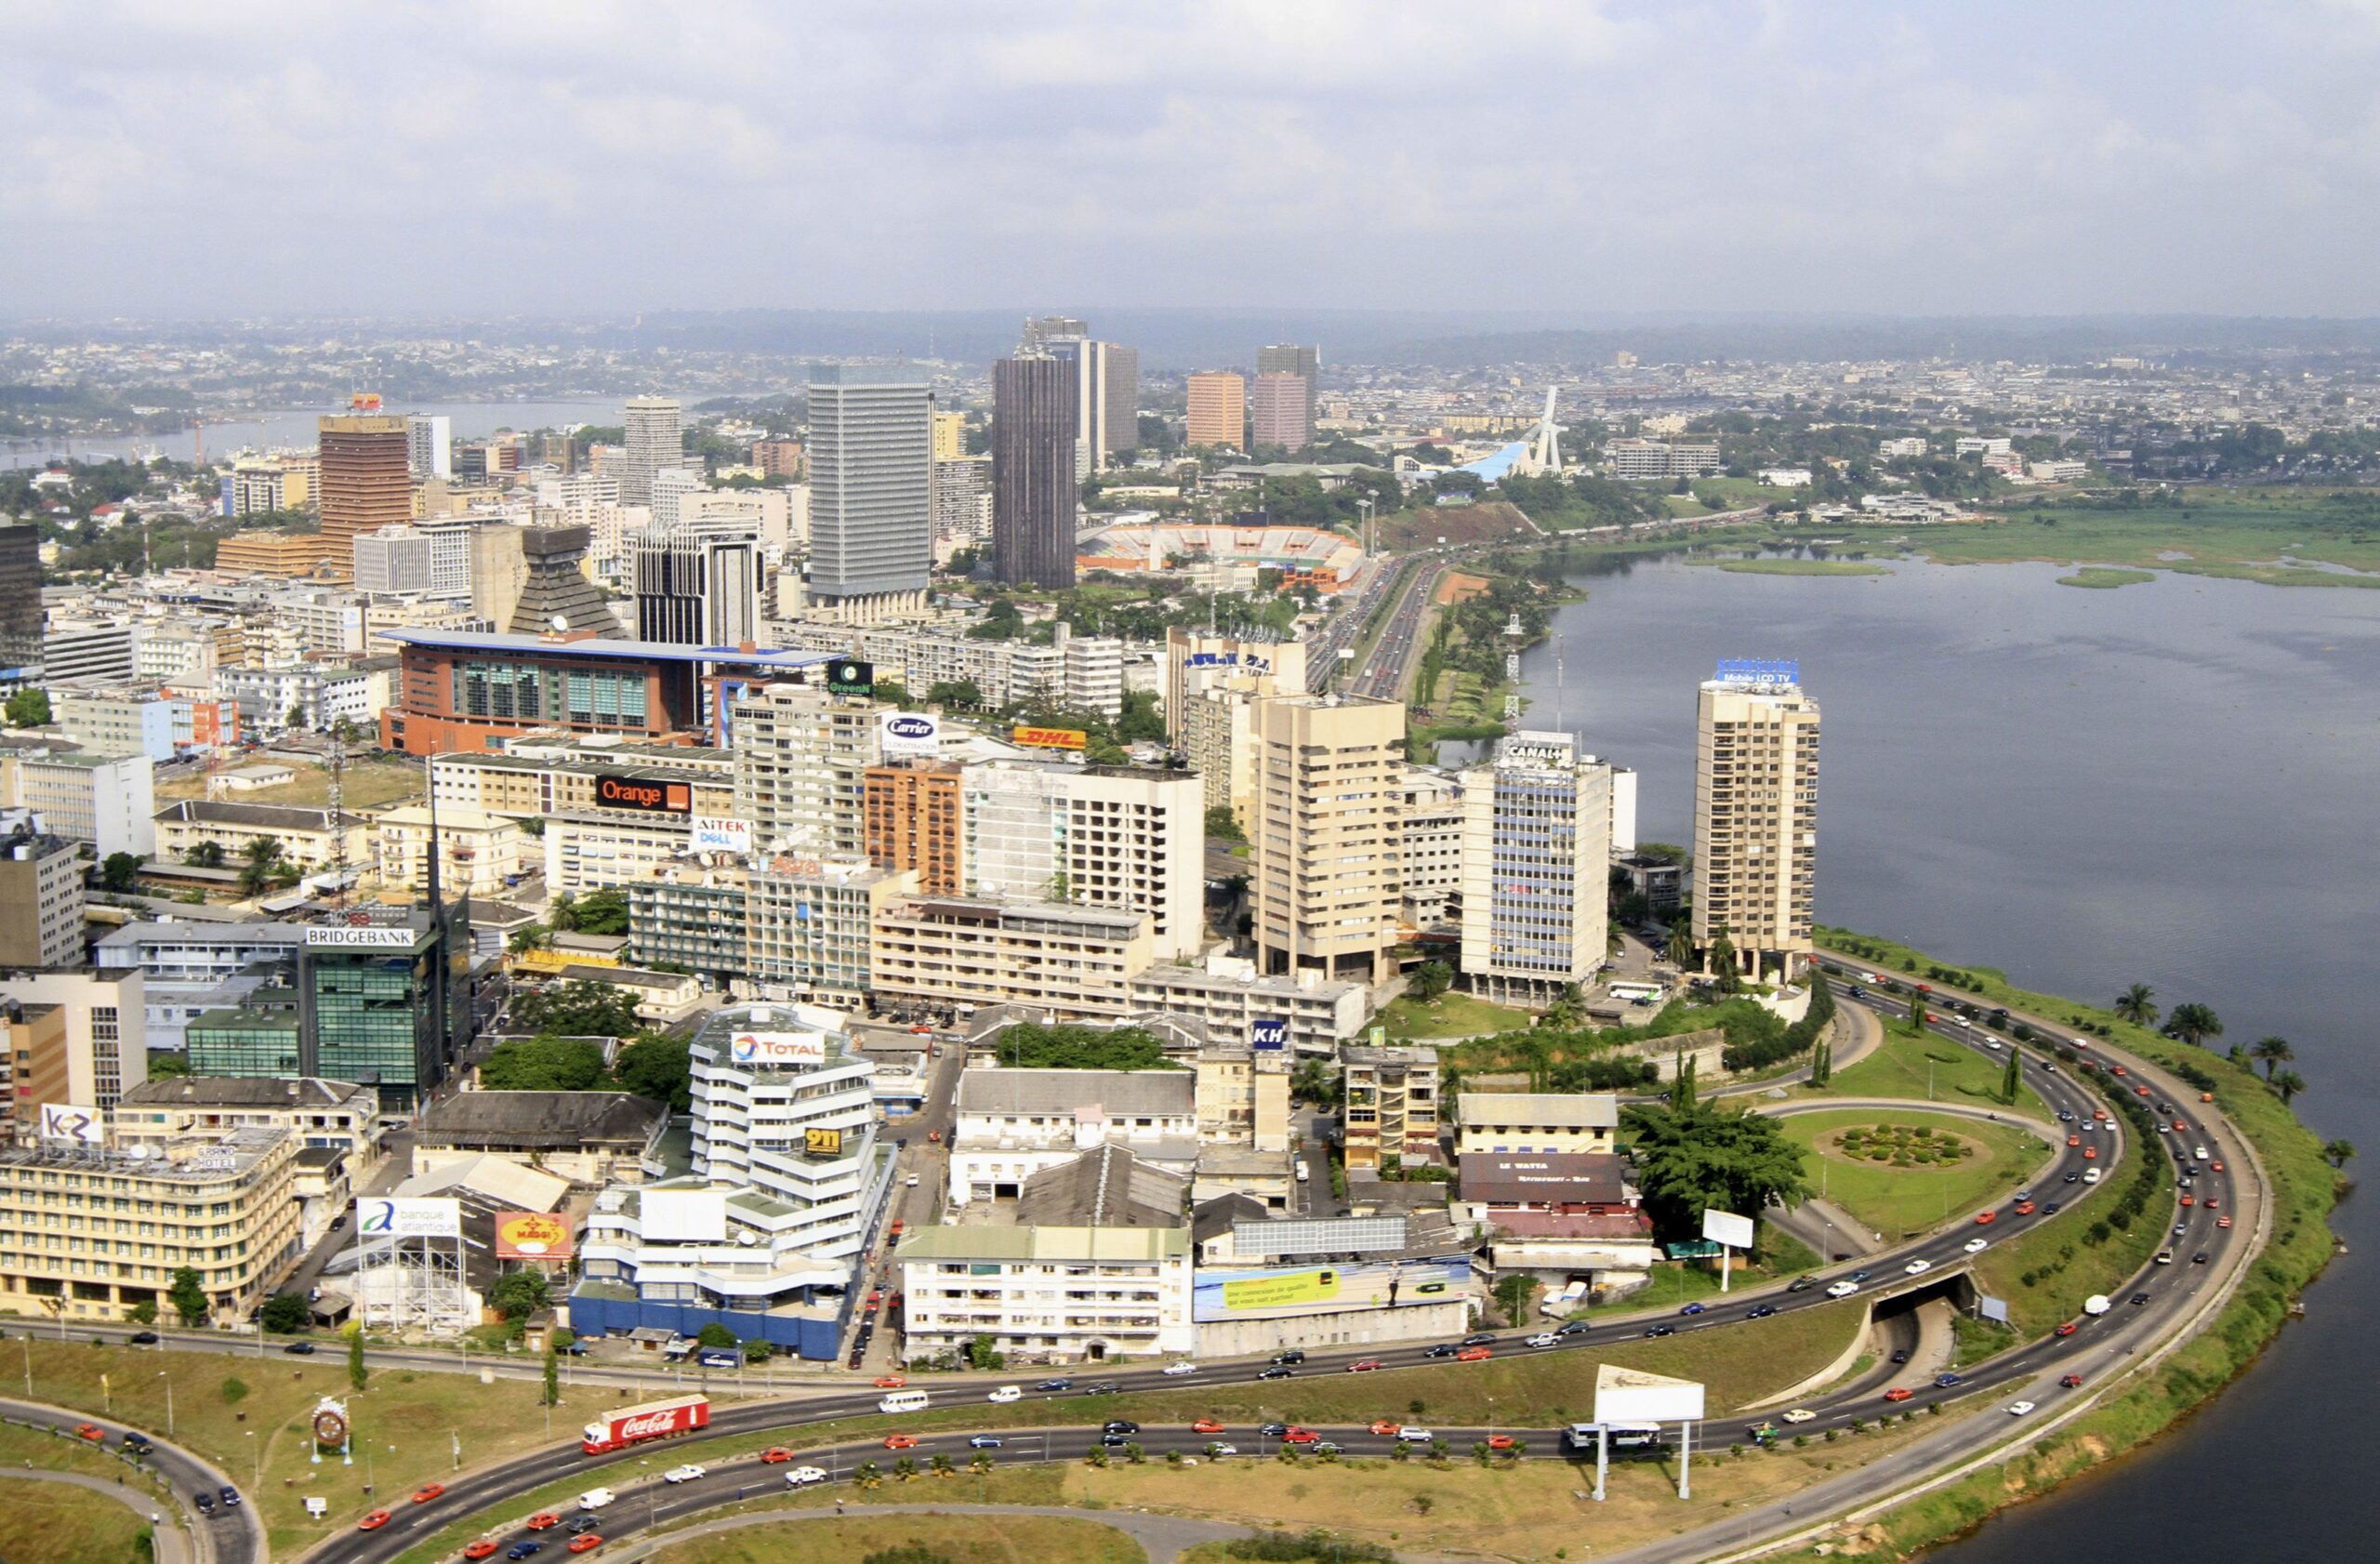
column 903, row 1400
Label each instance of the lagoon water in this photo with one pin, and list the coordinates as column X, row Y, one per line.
column 2175, row 783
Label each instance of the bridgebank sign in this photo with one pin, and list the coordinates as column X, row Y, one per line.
column 346, row 937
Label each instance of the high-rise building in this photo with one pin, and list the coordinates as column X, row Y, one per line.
column 1121, row 383
column 554, row 594
column 393, row 562
column 1324, row 839
column 1107, row 376
column 949, row 436
column 102, row 1053
column 1042, row 330
column 1286, row 358
column 1127, row 838
column 696, row 589
column 672, row 484
column 916, row 822
column 1755, row 815
column 1390, row 1099
column 19, row 603
column 1035, row 497
column 963, row 500
column 429, row 445
column 1212, row 685
column 366, row 480
column 386, row 1003
column 1277, row 412
column 41, row 895
column 801, row 761
column 777, row 458
column 1536, row 863
column 871, row 458
column 1219, row 411
column 655, row 438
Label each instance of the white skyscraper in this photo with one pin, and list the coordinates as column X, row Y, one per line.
column 1535, row 852
column 1756, row 816
column 871, row 508
column 429, row 445
column 655, row 439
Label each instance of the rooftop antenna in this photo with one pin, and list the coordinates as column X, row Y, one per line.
column 339, row 813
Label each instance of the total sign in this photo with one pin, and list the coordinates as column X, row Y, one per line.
column 777, row 1048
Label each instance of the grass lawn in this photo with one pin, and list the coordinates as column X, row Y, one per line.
column 1786, row 567
column 1927, row 1068
column 1448, row 1015
column 2106, row 577
column 2063, row 1269
column 368, row 784
column 963, row 1539
column 1908, row 1200
column 58, row 1523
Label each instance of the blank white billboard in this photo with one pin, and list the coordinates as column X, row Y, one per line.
column 1725, row 1226
column 687, row 1216
column 1634, row 1396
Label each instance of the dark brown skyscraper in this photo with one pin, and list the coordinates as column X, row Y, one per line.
column 1035, row 408
column 366, row 480
column 21, row 617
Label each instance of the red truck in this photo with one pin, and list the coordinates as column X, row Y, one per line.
column 648, row 1420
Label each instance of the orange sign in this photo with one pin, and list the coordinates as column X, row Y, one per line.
column 531, row 1234
column 1051, row 739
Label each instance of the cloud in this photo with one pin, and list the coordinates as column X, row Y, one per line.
column 1566, row 155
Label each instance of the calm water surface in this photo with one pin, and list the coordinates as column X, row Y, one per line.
column 2176, row 783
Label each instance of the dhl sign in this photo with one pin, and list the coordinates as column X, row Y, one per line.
column 1051, row 739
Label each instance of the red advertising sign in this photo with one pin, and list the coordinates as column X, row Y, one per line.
column 531, row 1234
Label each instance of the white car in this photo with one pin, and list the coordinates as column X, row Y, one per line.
column 1546, row 1338
column 1994, row 1045
column 911, row 1182
column 1917, row 1267
column 1413, row 1436
column 2018, row 1408
column 1175, row 1371
column 1007, row 1393
column 1843, row 1290
column 687, row 1472
column 1799, row 1414
column 2199, row 1152
column 803, row 1476
column 1220, row 1451
column 2090, row 1175
column 2164, row 1256
column 1977, row 1246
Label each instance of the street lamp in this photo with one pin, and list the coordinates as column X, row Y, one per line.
column 169, row 1401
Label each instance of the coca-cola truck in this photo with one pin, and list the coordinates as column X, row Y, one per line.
column 648, row 1420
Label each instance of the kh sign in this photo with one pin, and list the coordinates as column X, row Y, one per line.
column 1268, row 1034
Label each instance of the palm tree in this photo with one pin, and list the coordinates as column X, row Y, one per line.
column 2193, row 1023
column 2288, row 1084
column 2338, row 1153
column 2137, row 1004
column 1681, row 951
column 2274, row 1051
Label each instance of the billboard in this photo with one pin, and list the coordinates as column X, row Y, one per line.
column 1285, row 1291
column 1268, row 1034
column 777, row 1048
column 1634, row 1396
column 643, row 796
column 721, row 833
column 1050, row 738
column 822, row 1143
column 1758, row 672
column 908, row 732
column 1727, row 1228
column 531, row 1234
column 683, row 1215
column 84, row 1126
column 409, row 1218
column 849, row 676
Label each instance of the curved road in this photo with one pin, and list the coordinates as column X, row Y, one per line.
column 228, row 1537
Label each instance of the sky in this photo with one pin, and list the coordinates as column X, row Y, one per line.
column 252, row 158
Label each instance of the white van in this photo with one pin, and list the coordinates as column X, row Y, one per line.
column 1304, row 1171
column 903, row 1400
column 596, row 1498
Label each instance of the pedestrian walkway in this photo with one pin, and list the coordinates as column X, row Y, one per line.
column 172, row 1546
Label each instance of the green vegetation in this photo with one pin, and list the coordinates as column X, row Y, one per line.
column 1030, row 1045
column 1694, row 1155
column 2106, row 577
column 598, row 912
column 1929, row 1068
column 1448, row 1015
column 914, row 1539
column 1902, row 1174
column 1772, row 565
column 28, row 709
column 59, row 1523
column 2246, row 535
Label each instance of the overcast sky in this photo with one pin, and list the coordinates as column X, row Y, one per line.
column 582, row 156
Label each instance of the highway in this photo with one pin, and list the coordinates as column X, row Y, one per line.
column 2094, row 1350
column 230, row 1536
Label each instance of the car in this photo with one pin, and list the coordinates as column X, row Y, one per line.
column 1413, row 1436
column 1690, row 1310
column 2212, row 1202
column 1296, row 1435
column 1120, row 1426
column 1294, row 1355
column 2215, row 1166
column 2090, row 1153
column 2223, row 1221
column 1327, row 1447
column 1760, row 1311
column 1944, row 1382
column 1977, row 1246
column 1443, row 1349
column 544, row 1521
column 523, row 1550
column 2143, row 1091
column 984, row 1441
column 2115, row 1069
column 2050, row 1209
column 1102, row 1387
column 2074, row 1140
column 2066, row 1115
column 1899, row 1393
column 1546, row 1338
column 2018, row 1408
column 373, row 1521
column 2090, row 1175
column 1799, row 1414
column 1859, row 1276
column 1917, row 1267
column 1660, row 1331
column 891, row 1381
column 2199, row 1258
column 2164, row 1256
column 2024, row 1208
column 1843, row 1290
column 1573, row 1328
column 1479, row 1338
column 142, row 1338
column 2199, row 1153
column 1175, row 1371
column 910, row 1182
column 204, row 1501
column 1272, row 1430
column 1218, row 1450
column 1499, row 1442
column 690, row 1472
column 2180, row 1127
column 1901, row 1355
column 90, row 1431
column 1386, row 1429
column 775, row 1455
column 2073, row 1178
column 900, row 1441
column 2069, row 1327
column 1278, row 1371
column 1801, row 1284
column 136, row 1444
column 229, row 1495
column 1985, row 1218
column 1005, row 1394
column 486, row 1546
column 428, row 1492
column 299, row 1349
column 2138, row 1299
column 934, row 1137
column 587, row 1542
column 1475, row 1354
column 803, row 1476
column 1054, row 1385
column 585, row 1523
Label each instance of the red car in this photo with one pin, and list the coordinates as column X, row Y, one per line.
column 889, row 1382
column 2070, row 1381
column 373, row 1521
column 2074, row 1140
column 2189, row 1200
column 1499, row 1442
column 1298, row 1435
column 2217, row 1166
column 1363, row 1366
column 2024, row 1208
column 1475, row 1354
column 2142, row 1090
column 1386, row 1429
column 544, row 1521
column 2180, row 1127
column 934, row 1137
column 2115, row 1069
column 2210, row 1202
column 428, row 1492
column 91, row 1431
column 775, row 1455
column 586, row 1544
column 2068, row 1329
column 1207, row 1426
column 900, row 1441
column 1899, row 1393
column 481, row 1549
column 2090, row 1153
column 2223, row 1221
column 1985, row 1218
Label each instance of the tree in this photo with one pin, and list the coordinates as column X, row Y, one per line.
column 757, row 1351
column 659, row 1068
column 1514, row 1295
column 2009, row 1081
column 1313, row 1081
column 203, row 855
column 535, row 936
column 955, row 692
column 579, row 1008
column 120, row 871
column 2192, row 1023
column 2338, row 1153
column 715, row 1335
column 2135, row 1005
column 1140, row 719
column 169, row 1065
column 295, row 716
column 518, row 1294
column 29, row 708
column 597, row 912
column 188, row 1294
column 907, row 1553
column 357, row 1373
column 286, row 1312
column 1681, row 950
column 1222, row 822
column 543, row 1063
column 1430, row 979
column 2274, row 1051
column 1721, row 961
column 259, row 860
column 2288, row 1084
column 550, row 1395
column 1692, row 1157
